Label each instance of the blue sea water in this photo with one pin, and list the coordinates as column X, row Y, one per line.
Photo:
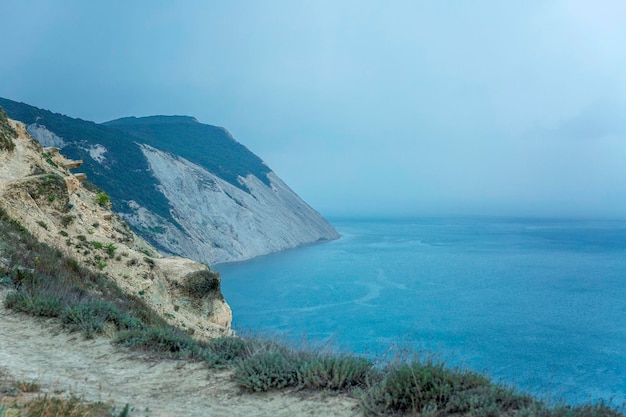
column 540, row 304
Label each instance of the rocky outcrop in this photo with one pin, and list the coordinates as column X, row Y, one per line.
column 44, row 136
column 42, row 195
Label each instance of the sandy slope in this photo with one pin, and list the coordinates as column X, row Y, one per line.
column 35, row 349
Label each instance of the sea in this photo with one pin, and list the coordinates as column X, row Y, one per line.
column 537, row 304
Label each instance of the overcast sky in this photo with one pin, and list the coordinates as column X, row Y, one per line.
column 363, row 107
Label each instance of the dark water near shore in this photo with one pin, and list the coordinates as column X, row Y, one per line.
column 536, row 303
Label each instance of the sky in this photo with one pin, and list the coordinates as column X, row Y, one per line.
column 363, row 107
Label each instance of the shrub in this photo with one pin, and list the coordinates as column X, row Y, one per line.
column 268, row 370
column 111, row 248
column 169, row 341
column 67, row 220
column 487, row 401
column 417, row 387
column 227, row 350
column 201, row 283
column 334, row 372
column 89, row 317
column 102, row 199
column 38, row 305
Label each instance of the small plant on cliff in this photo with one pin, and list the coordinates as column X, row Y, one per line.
column 201, row 283
column 268, row 370
column 334, row 372
column 275, row 366
column 111, row 248
column 97, row 245
column 102, row 199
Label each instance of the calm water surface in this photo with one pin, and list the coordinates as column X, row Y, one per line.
column 536, row 303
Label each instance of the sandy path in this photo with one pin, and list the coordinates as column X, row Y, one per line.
column 35, row 349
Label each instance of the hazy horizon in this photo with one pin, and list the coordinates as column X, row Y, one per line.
column 364, row 108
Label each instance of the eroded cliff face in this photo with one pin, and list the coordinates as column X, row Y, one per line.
column 38, row 191
column 188, row 188
column 221, row 222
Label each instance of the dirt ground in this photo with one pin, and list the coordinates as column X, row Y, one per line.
column 64, row 364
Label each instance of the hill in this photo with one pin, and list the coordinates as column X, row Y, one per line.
column 188, row 188
column 54, row 229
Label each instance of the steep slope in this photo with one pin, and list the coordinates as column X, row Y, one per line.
column 111, row 159
column 209, row 146
column 38, row 192
column 241, row 224
column 188, row 188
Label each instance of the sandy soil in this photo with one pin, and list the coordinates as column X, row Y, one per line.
column 36, row 349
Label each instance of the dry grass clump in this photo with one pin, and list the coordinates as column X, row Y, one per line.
column 22, row 398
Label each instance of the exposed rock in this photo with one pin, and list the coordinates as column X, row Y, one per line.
column 97, row 153
column 222, row 222
column 55, row 208
column 44, row 136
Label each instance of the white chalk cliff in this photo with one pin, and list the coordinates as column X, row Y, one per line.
column 221, row 222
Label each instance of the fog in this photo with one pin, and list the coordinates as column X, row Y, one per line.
column 364, row 108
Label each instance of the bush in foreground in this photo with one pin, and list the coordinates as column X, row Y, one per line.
column 418, row 387
column 275, row 366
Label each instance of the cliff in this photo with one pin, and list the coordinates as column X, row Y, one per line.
column 188, row 188
column 38, row 191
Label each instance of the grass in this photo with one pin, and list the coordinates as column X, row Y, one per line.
column 102, row 199
column 201, row 283
column 46, row 283
column 7, row 134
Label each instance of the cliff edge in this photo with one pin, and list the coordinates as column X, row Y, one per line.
column 38, row 190
column 188, row 188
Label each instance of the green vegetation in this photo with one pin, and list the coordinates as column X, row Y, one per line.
column 276, row 367
column 110, row 248
column 48, row 157
column 7, row 134
column 48, row 284
column 209, row 146
column 102, row 199
column 201, row 283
